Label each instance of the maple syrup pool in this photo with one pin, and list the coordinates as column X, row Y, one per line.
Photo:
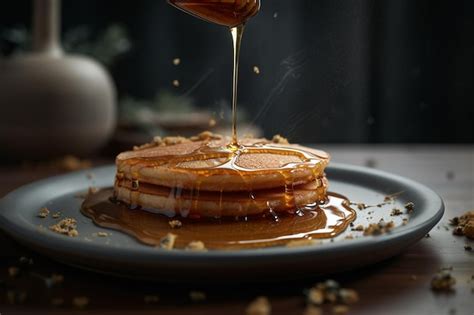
column 315, row 221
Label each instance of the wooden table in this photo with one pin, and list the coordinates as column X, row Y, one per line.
column 400, row 285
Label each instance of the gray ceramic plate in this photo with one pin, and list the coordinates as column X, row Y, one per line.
column 122, row 255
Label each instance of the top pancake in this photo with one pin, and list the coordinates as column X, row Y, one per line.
column 203, row 163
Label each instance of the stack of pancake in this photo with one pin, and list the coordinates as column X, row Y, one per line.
column 201, row 177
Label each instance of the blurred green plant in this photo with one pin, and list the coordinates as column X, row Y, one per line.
column 106, row 46
column 140, row 110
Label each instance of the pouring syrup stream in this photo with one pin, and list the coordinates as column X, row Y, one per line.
column 232, row 14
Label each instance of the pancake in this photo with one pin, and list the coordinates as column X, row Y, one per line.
column 186, row 203
column 188, row 163
column 201, row 176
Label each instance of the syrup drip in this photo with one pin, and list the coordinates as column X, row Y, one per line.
column 233, row 14
column 315, row 221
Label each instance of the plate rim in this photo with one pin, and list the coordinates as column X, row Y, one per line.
column 60, row 243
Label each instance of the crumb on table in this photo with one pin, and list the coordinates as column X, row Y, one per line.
column 259, row 306
column 67, row 226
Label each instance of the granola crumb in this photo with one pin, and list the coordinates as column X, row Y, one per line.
column 80, row 302
column 102, row 234
column 379, row 228
column 13, row 271
column 167, row 242
column 410, row 206
column 396, row 212
column 43, row 212
column 57, row 301
column 279, row 139
column 197, row 296
column 330, row 292
column 300, row 243
column 56, row 215
column 259, row 306
column 175, row 224
column 256, row 70
column 196, row 246
column 315, row 296
column 405, row 221
column 66, row 226
column 151, row 299
column 359, row 227
column 443, row 281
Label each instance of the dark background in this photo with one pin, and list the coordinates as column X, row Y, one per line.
column 331, row 71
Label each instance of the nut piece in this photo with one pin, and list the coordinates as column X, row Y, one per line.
column 66, row 226
column 396, row 211
column 443, row 281
column 279, row 139
column 379, row 228
column 315, row 296
column 167, row 242
column 56, row 215
column 259, row 306
column 43, row 212
column 175, row 224
column 410, row 206
column 330, row 292
column 464, row 225
column 469, row 229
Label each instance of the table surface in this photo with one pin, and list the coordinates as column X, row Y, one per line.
column 400, row 285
